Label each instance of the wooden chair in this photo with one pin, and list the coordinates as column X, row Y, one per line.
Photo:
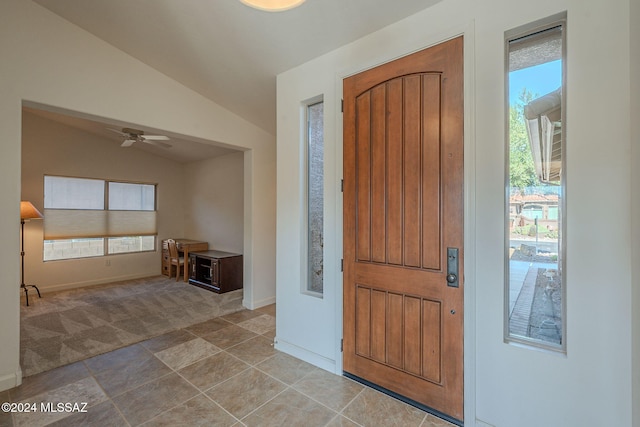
column 175, row 259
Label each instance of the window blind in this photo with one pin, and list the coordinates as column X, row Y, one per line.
column 76, row 208
column 60, row 224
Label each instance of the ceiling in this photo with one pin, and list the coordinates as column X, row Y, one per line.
column 182, row 150
column 225, row 50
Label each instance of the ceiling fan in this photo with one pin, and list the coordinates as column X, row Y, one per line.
column 135, row 135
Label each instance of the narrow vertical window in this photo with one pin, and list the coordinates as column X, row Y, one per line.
column 535, row 196
column 315, row 196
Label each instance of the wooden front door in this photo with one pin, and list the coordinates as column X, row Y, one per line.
column 403, row 209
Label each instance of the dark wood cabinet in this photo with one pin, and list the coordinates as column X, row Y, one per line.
column 216, row 271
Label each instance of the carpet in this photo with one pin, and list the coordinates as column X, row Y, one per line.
column 67, row 326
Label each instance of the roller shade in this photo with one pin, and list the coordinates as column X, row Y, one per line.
column 62, row 224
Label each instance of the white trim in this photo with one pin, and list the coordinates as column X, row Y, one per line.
column 480, row 423
column 338, row 230
column 10, row 381
column 305, row 355
column 74, row 285
column 253, row 305
column 470, row 214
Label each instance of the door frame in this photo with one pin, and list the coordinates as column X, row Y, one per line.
column 469, row 232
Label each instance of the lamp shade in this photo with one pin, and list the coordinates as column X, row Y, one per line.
column 28, row 211
column 273, row 5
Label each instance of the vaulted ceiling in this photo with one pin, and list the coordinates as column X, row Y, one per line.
column 225, row 50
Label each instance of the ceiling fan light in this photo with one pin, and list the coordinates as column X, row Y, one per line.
column 273, row 5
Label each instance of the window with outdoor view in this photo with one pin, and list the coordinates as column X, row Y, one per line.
column 92, row 217
column 535, row 197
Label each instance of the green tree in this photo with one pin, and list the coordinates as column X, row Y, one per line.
column 522, row 173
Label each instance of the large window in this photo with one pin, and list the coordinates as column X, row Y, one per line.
column 92, row 217
column 535, row 196
column 315, row 196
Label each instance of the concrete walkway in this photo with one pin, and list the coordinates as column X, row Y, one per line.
column 522, row 283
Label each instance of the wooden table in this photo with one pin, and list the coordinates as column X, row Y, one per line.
column 185, row 246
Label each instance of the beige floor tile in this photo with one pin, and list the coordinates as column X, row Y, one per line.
column 228, row 373
column 241, row 316
column 432, row 421
column 340, row 421
column 269, row 309
column 259, row 324
column 102, row 415
column 372, row 408
column 6, row 419
column 131, row 375
column 290, row 408
column 197, row 412
column 151, row 399
column 229, row 337
column 329, row 389
column 48, row 380
column 168, row 340
column 184, row 354
column 117, row 358
column 270, row 334
column 213, row 370
column 254, row 350
column 83, row 391
column 208, row 326
column 245, row 392
column 286, row 368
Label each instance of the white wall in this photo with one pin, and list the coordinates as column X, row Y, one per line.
column 50, row 148
column 214, row 202
column 635, row 198
column 47, row 60
column 305, row 323
column 505, row 385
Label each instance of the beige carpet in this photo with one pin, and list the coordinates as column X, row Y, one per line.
column 67, row 326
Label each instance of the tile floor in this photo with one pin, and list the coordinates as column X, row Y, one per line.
column 222, row 372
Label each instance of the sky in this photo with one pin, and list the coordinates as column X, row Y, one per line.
column 540, row 80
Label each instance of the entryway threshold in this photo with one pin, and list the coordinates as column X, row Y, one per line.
column 404, row 399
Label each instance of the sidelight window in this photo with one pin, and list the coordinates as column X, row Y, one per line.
column 315, row 196
column 535, row 196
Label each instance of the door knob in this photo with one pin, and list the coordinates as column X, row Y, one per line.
column 452, row 267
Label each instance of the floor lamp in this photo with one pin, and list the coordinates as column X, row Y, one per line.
column 27, row 212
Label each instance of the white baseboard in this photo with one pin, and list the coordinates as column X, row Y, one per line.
column 102, row 281
column 10, row 380
column 252, row 305
column 480, row 423
column 306, row 355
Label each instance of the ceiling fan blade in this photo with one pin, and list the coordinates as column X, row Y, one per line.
column 157, row 143
column 128, row 142
column 156, row 137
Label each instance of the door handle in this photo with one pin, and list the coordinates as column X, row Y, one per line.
column 452, row 267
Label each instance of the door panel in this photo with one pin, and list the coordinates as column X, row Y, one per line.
column 403, row 206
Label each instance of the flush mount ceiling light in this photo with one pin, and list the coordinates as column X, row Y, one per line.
column 273, row 5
